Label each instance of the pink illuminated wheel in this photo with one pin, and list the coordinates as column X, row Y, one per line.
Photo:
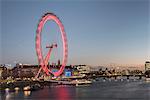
column 43, row 61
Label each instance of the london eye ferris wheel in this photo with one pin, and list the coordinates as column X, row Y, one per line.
column 43, row 61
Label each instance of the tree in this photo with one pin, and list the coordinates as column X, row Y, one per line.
column 6, row 73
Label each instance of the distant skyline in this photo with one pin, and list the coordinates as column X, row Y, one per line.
column 99, row 32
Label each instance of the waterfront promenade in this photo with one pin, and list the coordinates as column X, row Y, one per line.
column 132, row 89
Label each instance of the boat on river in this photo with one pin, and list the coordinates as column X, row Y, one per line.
column 72, row 82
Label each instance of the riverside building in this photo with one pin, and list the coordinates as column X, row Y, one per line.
column 147, row 65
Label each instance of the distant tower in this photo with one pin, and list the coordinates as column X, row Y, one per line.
column 59, row 62
column 48, row 65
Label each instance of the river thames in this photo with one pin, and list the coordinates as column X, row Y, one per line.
column 99, row 90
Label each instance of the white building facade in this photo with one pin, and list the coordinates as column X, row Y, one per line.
column 147, row 65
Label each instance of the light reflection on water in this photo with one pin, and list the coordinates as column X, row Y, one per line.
column 16, row 92
column 63, row 93
column 8, row 96
column 27, row 93
column 104, row 90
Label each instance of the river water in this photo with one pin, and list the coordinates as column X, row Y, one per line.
column 98, row 90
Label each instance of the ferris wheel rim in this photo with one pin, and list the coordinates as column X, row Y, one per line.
column 43, row 20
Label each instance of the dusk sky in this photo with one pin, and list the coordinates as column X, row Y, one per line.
column 98, row 31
